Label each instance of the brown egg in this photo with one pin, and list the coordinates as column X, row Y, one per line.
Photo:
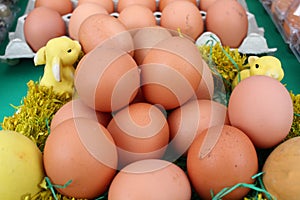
column 204, row 4
column 151, row 4
column 291, row 24
column 144, row 39
column 82, row 151
column 62, row 6
column 185, row 16
column 231, row 160
column 281, row 170
column 128, row 17
column 163, row 3
column 76, row 108
column 262, row 108
column 107, row 79
column 150, row 179
column 191, row 119
column 140, row 131
column 171, row 72
column 206, row 87
column 99, row 29
column 80, row 13
column 107, row 4
column 41, row 25
column 228, row 20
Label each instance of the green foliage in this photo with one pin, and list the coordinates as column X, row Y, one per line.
column 295, row 129
column 223, row 61
column 32, row 118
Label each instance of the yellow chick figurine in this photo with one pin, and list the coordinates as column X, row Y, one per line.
column 265, row 65
column 59, row 56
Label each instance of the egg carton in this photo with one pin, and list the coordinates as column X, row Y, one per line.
column 278, row 16
column 17, row 48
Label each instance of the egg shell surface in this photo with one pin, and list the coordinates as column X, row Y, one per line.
column 128, row 16
column 41, row 25
column 163, row 3
column 79, row 14
column 206, row 87
column 191, row 119
column 21, row 169
column 262, row 108
column 185, row 16
column 103, row 29
column 62, row 6
column 228, row 20
column 107, row 4
column 171, row 72
column 146, row 38
column 151, row 4
column 231, row 160
column 281, row 170
column 76, row 108
column 150, row 179
column 107, row 79
column 140, row 131
column 82, row 151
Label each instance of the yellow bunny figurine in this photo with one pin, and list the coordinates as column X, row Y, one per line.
column 265, row 65
column 59, row 56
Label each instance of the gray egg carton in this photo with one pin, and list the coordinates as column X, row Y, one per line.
column 17, row 48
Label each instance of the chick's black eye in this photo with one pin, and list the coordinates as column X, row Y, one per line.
column 69, row 50
column 256, row 66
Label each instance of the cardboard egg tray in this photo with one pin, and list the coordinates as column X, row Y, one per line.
column 254, row 43
column 278, row 15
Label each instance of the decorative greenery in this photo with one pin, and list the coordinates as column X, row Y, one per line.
column 223, row 61
column 295, row 129
column 32, row 118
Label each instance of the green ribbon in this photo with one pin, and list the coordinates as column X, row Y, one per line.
column 47, row 125
column 52, row 186
column 260, row 189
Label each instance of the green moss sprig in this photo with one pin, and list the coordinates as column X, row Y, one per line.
column 295, row 129
column 32, row 118
column 220, row 60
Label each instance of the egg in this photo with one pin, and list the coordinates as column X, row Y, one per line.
column 191, row 119
column 151, row 4
column 146, row 38
column 82, row 152
column 80, row 13
column 140, row 131
column 163, row 3
column 204, row 4
column 107, row 79
column 206, row 87
column 281, row 170
column 228, row 20
column 21, row 168
column 41, row 25
column 62, row 6
column 262, row 108
column 151, row 179
column 107, row 4
column 171, row 72
column 222, row 156
column 128, row 17
column 101, row 28
column 185, row 16
column 76, row 108
column 291, row 23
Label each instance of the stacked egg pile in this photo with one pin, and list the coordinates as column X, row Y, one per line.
column 144, row 98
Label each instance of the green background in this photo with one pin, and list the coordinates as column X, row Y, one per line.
column 13, row 78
